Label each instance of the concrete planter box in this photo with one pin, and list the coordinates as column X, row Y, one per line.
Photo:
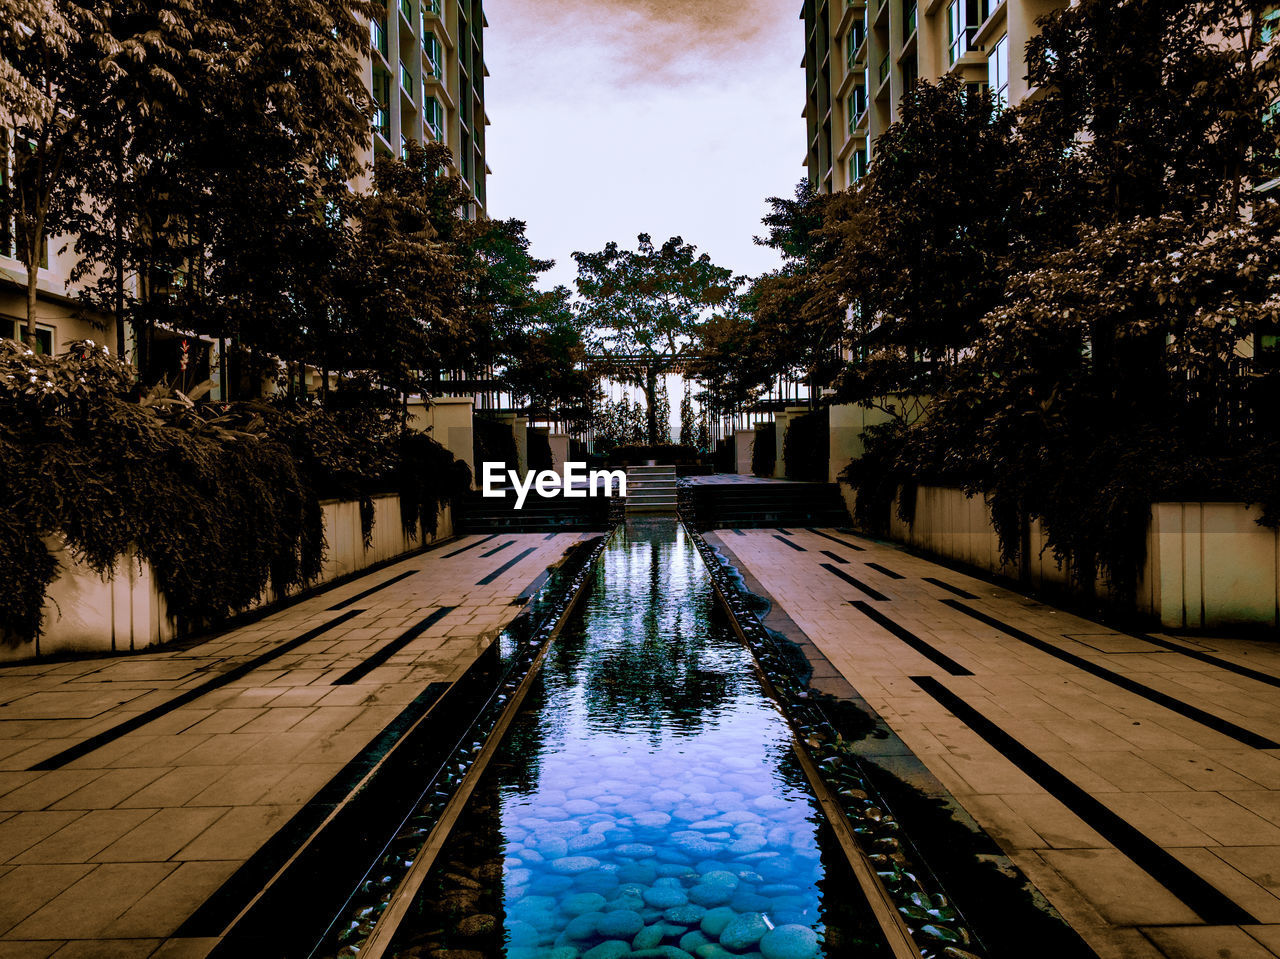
column 1209, row 565
column 85, row 613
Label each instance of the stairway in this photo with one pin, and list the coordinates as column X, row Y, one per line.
column 651, row 489
column 756, row 505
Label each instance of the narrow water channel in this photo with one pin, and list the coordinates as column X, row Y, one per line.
column 646, row 801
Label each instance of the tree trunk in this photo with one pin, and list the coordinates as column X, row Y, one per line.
column 33, row 278
column 651, row 401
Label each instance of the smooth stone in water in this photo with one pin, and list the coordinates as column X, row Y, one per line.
column 620, row 923
column 581, row 807
column 582, row 927
column 649, row 937
column 692, row 940
column 710, row 894
column 550, row 885
column 689, row 915
column 613, row 949
column 712, row 950
column 586, row 841
column 665, row 897
column 637, row 872
column 789, row 942
column 678, row 870
column 750, row 902
column 581, row 902
column 635, row 850
column 715, row 921
column 721, row 877
column 522, row 934
column 572, row 865
column 744, row 932
column 553, row 848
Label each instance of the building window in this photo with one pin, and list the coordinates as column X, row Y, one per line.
column 382, row 100
column 998, row 71
column 908, row 19
column 858, row 164
column 406, row 79
column 431, row 49
column 964, row 18
column 433, row 116
column 378, row 36
column 8, row 207
column 44, row 336
column 406, row 7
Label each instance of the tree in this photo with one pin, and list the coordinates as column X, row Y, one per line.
column 1157, row 103
column 402, row 290
column 59, row 60
column 647, row 306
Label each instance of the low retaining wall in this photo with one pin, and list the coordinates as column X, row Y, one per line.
column 1208, row 564
column 85, row 613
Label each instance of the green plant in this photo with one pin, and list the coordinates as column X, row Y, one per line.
column 764, row 450
column 807, row 446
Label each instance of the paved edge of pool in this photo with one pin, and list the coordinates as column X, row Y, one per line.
column 957, row 891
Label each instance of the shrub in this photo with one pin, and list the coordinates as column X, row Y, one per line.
column 539, row 450
column 221, row 501
column 493, row 442
column 764, row 450
column 806, row 448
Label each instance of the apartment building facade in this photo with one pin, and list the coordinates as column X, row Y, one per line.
column 426, row 75
column 862, row 55
column 425, row 69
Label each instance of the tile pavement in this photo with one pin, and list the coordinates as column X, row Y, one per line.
column 1202, row 796
column 106, row 855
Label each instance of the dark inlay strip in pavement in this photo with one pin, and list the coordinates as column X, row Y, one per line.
column 101, row 739
column 834, row 539
column 869, row 590
column 1200, row 896
column 504, row 567
column 1216, row 723
column 371, row 590
column 928, row 651
column 784, row 532
column 550, row 536
column 886, row 571
column 795, row 546
column 1211, row 660
column 962, row 593
column 737, row 532
column 394, row 646
column 499, row 549
column 479, row 542
column 839, row 559
column 217, row 912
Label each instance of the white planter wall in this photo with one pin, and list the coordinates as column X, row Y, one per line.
column 86, row 614
column 1208, row 564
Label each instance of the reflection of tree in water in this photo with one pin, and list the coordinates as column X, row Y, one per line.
column 652, row 663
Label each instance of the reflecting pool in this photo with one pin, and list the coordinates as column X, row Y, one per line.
column 646, row 801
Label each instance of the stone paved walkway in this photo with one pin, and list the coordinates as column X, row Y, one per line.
column 1135, row 779
column 105, row 851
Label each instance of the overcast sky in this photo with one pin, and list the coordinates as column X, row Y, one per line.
column 616, row 117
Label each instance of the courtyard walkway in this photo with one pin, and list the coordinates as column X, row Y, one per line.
column 1134, row 778
column 146, row 800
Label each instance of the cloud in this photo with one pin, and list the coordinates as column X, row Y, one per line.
column 653, row 42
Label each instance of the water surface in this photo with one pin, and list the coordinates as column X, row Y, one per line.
column 646, row 801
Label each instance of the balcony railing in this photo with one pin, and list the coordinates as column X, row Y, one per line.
column 378, row 36
column 883, row 72
column 406, row 80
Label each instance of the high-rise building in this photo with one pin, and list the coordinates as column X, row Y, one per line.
column 426, row 74
column 862, row 55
